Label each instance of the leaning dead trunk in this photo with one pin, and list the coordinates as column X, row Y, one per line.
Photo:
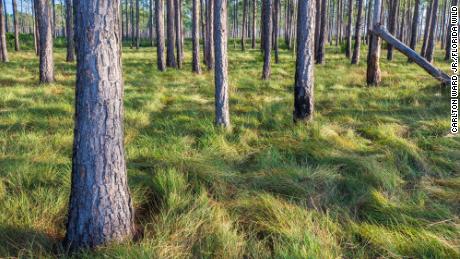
column 221, row 68
column 160, row 29
column 304, row 77
column 100, row 209
column 45, row 41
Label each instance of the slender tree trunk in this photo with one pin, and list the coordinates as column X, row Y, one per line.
column 70, row 31
column 171, row 36
column 275, row 30
column 16, row 26
column 373, row 59
column 357, row 47
column 320, row 59
column 151, row 6
column 3, row 49
column 427, row 29
column 177, row 23
column 127, row 20
column 53, row 22
column 415, row 19
column 203, row 30
column 443, row 24
column 138, row 39
column 317, row 25
column 7, row 27
column 210, row 34
column 243, row 34
column 221, row 69
column 349, row 34
column 432, row 35
column 393, row 16
column 196, row 37
column 133, row 38
column 447, row 57
column 304, row 75
column 160, row 29
column 36, row 31
column 254, row 21
column 45, row 41
column 267, row 37
column 100, row 210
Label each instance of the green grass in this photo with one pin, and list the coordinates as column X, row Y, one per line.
column 376, row 174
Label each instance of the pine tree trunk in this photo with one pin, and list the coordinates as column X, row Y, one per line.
column 210, row 34
column 36, row 32
column 243, row 34
column 3, row 49
column 254, row 26
column 373, row 58
column 160, row 30
column 53, row 22
column 100, row 209
column 177, row 23
column 432, row 34
column 45, row 41
column 138, row 39
column 133, row 30
column 203, row 28
column 426, row 32
column 357, row 47
column 368, row 23
column 415, row 19
column 275, row 30
column 322, row 34
column 393, row 16
column 317, row 25
column 196, row 37
column 151, row 6
column 171, row 36
column 70, row 31
column 267, row 37
column 304, row 75
column 349, row 34
column 16, row 26
column 221, row 68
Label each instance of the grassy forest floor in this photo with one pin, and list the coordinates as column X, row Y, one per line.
column 376, row 174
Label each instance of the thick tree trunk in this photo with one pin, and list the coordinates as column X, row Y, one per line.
column 16, row 26
column 221, row 69
column 160, row 29
column 415, row 19
column 243, row 32
column 3, row 49
column 432, row 34
column 448, row 46
column 171, row 36
column 177, row 23
column 210, row 34
column 275, row 30
column 320, row 54
column 254, row 19
column 100, row 210
column 304, row 75
column 357, row 47
column 349, row 34
column 267, row 37
column 196, row 37
column 427, row 29
column 412, row 55
column 373, row 75
column 45, row 41
column 70, row 31
column 393, row 16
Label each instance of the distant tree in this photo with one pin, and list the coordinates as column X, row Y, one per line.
column 304, row 75
column 221, row 66
column 45, row 41
column 70, row 31
column 196, row 36
column 358, row 28
column 426, row 32
column 16, row 26
column 415, row 24
column 432, row 33
column 3, row 49
column 209, row 57
column 349, row 34
column 276, row 7
column 322, row 34
column 392, row 18
column 245, row 17
column 178, row 30
column 254, row 28
column 100, row 209
column 267, row 37
column 373, row 58
column 171, row 36
column 138, row 38
column 160, row 29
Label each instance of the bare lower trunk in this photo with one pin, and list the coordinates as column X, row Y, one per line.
column 3, row 49
column 16, row 26
column 171, row 36
column 160, row 30
column 373, row 57
column 432, row 34
column 276, row 12
column 349, row 34
column 210, row 34
column 322, row 34
column 243, row 33
column 196, row 37
column 138, row 38
column 426, row 32
column 45, row 41
column 267, row 37
column 304, row 75
column 221, row 69
column 100, row 209
column 357, row 47
column 177, row 23
column 253, row 32
column 415, row 19
column 393, row 16
column 70, row 31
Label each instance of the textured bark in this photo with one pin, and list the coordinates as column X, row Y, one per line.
column 320, row 59
column 177, row 23
column 276, row 12
column 221, row 68
column 359, row 22
column 45, row 41
column 16, row 26
column 412, row 55
column 392, row 25
column 373, row 58
column 432, row 34
column 426, row 32
column 3, row 49
column 100, row 210
column 254, row 26
column 70, row 31
column 196, row 37
column 448, row 47
column 349, row 34
column 415, row 19
column 171, row 36
column 160, row 29
column 210, row 34
column 304, row 75
column 267, row 37
column 369, row 19
column 245, row 17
